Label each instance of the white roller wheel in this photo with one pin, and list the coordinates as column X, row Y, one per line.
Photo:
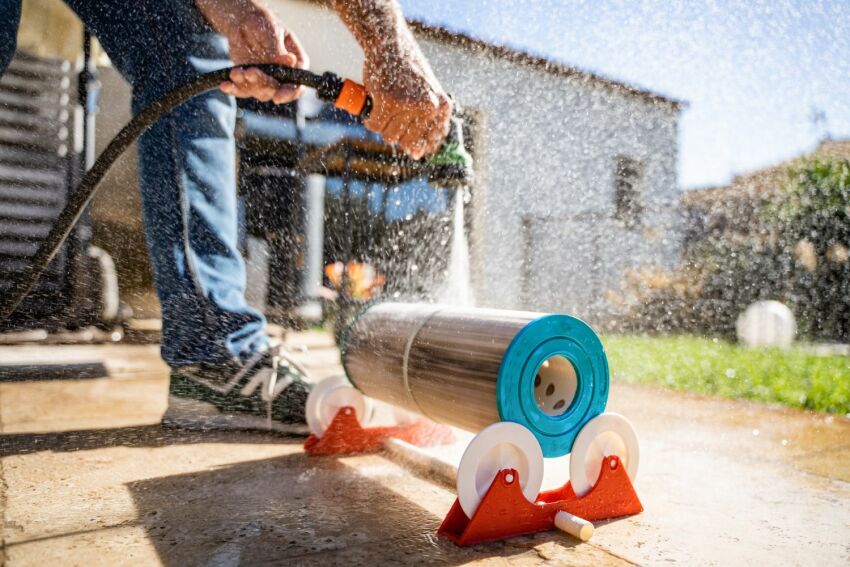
column 604, row 435
column 327, row 397
column 500, row 446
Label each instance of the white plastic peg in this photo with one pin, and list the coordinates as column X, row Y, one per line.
column 573, row 525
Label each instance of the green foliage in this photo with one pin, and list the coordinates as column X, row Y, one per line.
column 795, row 378
column 732, row 275
column 795, row 251
column 815, row 212
column 816, row 204
column 716, row 281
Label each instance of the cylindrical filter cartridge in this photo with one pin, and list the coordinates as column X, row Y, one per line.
column 474, row 367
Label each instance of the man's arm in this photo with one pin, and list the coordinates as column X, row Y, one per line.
column 255, row 35
column 410, row 106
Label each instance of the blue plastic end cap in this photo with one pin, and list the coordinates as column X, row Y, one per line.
column 542, row 338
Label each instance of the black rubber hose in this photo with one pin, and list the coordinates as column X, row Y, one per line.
column 327, row 87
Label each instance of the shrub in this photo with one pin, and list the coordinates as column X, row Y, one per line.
column 813, row 220
column 797, row 252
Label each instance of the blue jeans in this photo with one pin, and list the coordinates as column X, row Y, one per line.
column 187, row 172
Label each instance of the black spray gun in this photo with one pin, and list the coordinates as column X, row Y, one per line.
column 450, row 166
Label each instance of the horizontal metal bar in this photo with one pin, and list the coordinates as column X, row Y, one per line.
column 12, row 230
column 9, row 266
column 29, row 84
column 19, row 176
column 37, row 122
column 27, row 212
column 32, row 195
column 14, row 155
column 48, row 144
column 19, row 248
column 47, row 100
column 32, row 64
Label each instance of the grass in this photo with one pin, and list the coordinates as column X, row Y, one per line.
column 795, row 377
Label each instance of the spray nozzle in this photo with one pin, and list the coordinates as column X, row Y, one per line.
column 449, row 167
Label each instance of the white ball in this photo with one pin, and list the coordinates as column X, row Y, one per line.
column 766, row 324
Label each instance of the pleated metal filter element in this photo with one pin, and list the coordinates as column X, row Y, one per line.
column 474, row 367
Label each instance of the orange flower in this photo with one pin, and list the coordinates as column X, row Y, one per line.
column 364, row 281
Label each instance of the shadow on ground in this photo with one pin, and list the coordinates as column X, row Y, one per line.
column 291, row 509
column 300, row 510
column 148, row 436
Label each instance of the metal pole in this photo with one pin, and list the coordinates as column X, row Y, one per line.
column 88, row 91
column 348, row 231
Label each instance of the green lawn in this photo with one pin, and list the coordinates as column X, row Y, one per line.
column 711, row 366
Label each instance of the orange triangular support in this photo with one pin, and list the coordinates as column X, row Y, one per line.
column 345, row 435
column 504, row 512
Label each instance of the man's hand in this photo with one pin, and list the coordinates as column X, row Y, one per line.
column 255, row 35
column 409, row 107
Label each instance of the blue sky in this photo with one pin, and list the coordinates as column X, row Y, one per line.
column 752, row 71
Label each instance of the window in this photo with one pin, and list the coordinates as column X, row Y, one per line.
column 628, row 191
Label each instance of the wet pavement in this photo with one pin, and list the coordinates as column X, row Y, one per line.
column 723, row 482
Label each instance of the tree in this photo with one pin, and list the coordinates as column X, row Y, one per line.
column 812, row 223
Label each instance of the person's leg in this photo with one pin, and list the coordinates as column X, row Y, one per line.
column 10, row 16
column 187, row 177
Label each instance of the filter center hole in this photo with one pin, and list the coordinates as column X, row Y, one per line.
column 555, row 385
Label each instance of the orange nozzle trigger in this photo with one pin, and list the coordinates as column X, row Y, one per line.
column 352, row 97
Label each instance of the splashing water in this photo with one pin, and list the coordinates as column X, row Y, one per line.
column 457, row 289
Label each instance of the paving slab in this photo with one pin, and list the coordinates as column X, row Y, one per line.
column 75, row 387
column 723, row 482
column 155, row 496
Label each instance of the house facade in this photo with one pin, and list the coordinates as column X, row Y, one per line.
column 578, row 176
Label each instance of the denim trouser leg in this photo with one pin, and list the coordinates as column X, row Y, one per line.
column 10, row 14
column 187, row 164
column 187, row 176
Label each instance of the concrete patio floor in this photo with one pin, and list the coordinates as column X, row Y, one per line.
column 723, row 482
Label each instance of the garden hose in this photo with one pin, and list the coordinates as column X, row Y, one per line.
column 451, row 160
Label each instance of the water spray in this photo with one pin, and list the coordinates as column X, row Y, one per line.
column 450, row 166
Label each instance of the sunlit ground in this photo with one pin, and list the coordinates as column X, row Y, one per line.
column 796, row 377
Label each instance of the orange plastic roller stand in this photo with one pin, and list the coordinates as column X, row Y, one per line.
column 346, row 436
